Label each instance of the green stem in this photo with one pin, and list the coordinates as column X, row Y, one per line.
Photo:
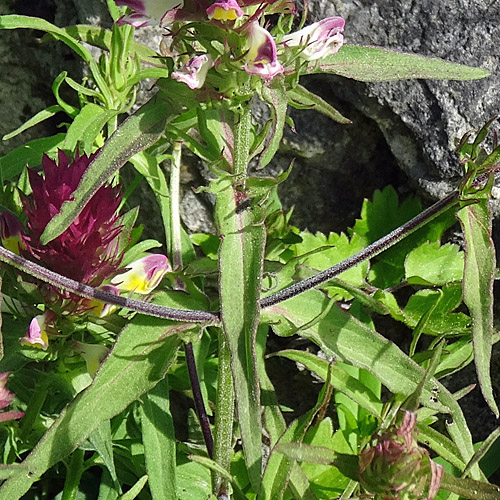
column 175, row 199
column 73, row 476
column 241, row 153
column 224, row 417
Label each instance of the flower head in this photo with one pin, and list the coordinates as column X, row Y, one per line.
column 395, row 467
column 6, row 398
column 224, row 10
column 262, row 57
column 37, row 334
column 147, row 12
column 11, row 232
column 89, row 250
column 318, row 40
column 194, row 72
column 93, row 354
column 143, row 275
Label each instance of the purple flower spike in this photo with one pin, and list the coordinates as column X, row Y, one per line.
column 224, row 10
column 194, row 72
column 6, row 398
column 318, row 40
column 143, row 275
column 262, row 57
column 146, row 12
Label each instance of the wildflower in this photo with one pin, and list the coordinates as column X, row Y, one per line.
column 318, row 40
column 88, row 251
column 147, row 12
column 262, row 58
column 194, row 72
column 37, row 336
column 11, row 231
column 93, row 354
column 98, row 307
column 395, row 467
column 143, row 275
column 224, row 10
column 6, row 398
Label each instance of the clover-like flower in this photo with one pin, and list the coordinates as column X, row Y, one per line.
column 142, row 276
column 194, row 72
column 89, row 250
column 395, row 467
column 318, row 40
column 147, row 12
column 262, row 55
column 224, row 10
column 6, row 398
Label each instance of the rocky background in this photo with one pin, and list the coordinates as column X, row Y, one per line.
column 402, row 133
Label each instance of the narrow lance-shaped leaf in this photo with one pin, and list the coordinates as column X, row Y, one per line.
column 240, row 267
column 138, row 361
column 479, row 273
column 139, row 131
column 373, row 64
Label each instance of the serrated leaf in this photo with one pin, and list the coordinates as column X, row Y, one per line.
column 306, row 98
column 135, row 134
column 479, row 274
column 373, row 64
column 434, row 264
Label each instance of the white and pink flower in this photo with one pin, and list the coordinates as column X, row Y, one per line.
column 147, row 12
column 224, row 10
column 194, row 72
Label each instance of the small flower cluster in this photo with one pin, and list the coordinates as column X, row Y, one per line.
column 395, row 467
column 259, row 55
column 89, row 251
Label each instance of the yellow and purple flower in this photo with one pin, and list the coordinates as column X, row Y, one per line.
column 144, row 275
column 147, row 12
column 224, row 10
column 262, row 55
column 37, row 334
column 318, row 40
column 11, row 232
column 6, row 398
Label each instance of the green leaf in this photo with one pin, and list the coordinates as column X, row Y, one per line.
column 86, row 127
column 373, row 64
column 340, row 334
column 240, row 262
column 275, row 96
column 340, row 379
column 479, row 273
column 34, row 120
column 136, row 489
column 29, row 154
column 137, row 362
column 158, row 437
column 102, row 442
column 138, row 132
column 432, row 264
column 299, row 95
column 469, row 488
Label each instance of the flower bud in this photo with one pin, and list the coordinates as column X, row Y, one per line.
column 93, row 354
column 6, row 398
column 318, row 40
column 194, row 72
column 395, row 467
column 36, row 335
column 224, row 10
column 143, row 275
column 11, row 232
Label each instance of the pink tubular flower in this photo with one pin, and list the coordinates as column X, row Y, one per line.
column 89, row 251
column 11, row 232
column 143, row 275
column 194, row 72
column 37, row 336
column 318, row 40
column 224, row 10
column 6, row 398
column 146, row 12
column 262, row 57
